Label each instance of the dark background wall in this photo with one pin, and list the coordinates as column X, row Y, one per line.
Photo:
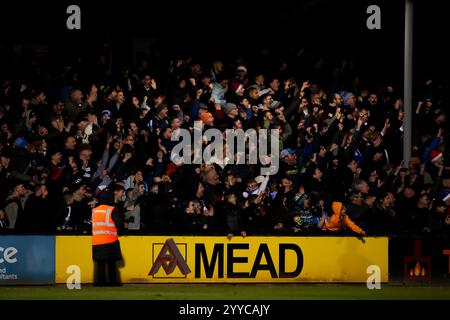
column 262, row 33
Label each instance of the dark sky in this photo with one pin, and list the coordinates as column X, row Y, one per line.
column 325, row 27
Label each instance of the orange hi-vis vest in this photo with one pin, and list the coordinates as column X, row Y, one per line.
column 104, row 229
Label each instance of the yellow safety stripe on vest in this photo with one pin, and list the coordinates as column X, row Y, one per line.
column 107, row 218
column 105, row 232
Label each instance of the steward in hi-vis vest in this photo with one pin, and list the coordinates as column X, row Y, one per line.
column 106, row 226
column 104, row 229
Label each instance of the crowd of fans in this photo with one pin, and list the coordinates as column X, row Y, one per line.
column 341, row 168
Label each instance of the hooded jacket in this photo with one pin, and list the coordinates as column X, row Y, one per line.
column 334, row 224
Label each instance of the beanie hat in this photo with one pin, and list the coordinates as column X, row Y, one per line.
column 236, row 86
column 203, row 106
column 21, row 142
column 241, row 68
column 346, row 96
column 228, row 107
column 106, row 112
column 285, row 152
column 160, row 107
column 435, row 155
column 337, row 207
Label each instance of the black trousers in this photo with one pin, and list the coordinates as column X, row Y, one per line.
column 112, row 272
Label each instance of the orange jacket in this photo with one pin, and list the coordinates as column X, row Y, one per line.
column 333, row 223
column 104, row 229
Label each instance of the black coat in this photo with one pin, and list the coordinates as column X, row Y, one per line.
column 234, row 218
column 382, row 220
column 191, row 223
column 38, row 217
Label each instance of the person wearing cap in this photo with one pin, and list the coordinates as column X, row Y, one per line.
column 436, row 157
column 289, row 165
column 106, row 115
column 308, row 214
column 349, row 99
column 435, row 164
column 241, row 71
column 288, row 154
column 20, row 143
column 339, row 221
column 105, row 119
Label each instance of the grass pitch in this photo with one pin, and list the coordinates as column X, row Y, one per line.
column 226, row 292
